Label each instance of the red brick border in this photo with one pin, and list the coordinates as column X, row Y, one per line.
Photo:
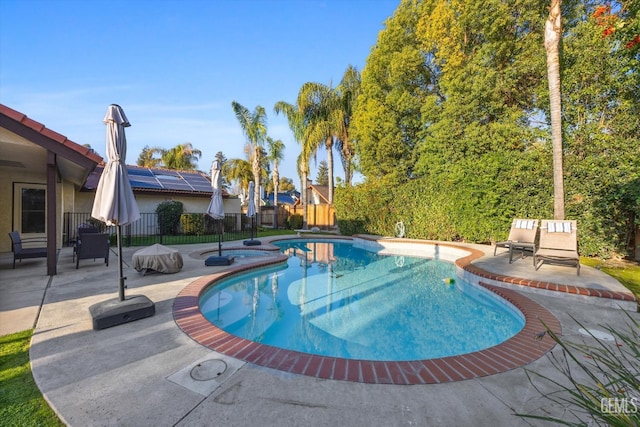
column 465, row 264
column 522, row 349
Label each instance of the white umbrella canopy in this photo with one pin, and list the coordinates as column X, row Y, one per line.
column 216, row 207
column 115, row 203
column 251, row 209
column 251, row 213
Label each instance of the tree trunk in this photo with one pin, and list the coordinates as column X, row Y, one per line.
column 303, row 199
column 329, row 145
column 552, row 37
column 256, row 179
column 276, row 179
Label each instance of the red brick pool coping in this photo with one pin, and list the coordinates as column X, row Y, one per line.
column 465, row 264
column 520, row 350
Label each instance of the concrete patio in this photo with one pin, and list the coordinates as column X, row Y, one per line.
column 141, row 373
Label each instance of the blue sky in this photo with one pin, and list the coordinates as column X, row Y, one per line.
column 176, row 66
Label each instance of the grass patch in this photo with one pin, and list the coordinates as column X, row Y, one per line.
column 267, row 232
column 626, row 272
column 21, row 403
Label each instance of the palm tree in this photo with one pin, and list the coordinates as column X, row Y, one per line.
column 181, row 157
column 238, row 170
column 254, row 127
column 552, row 37
column 318, row 104
column 297, row 125
column 348, row 91
column 275, row 156
column 146, row 158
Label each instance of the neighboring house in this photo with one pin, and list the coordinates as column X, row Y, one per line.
column 45, row 175
column 318, row 194
column 152, row 186
column 41, row 171
column 288, row 198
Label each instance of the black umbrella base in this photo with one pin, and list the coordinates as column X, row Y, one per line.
column 114, row 312
column 252, row 242
column 218, row 260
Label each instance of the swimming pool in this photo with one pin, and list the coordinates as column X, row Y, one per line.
column 337, row 300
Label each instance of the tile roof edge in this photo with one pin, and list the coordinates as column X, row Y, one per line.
column 22, row 118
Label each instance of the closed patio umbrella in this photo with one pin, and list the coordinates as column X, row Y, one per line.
column 216, row 207
column 216, row 211
column 116, row 205
column 251, row 212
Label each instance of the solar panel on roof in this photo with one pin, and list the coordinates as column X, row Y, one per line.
column 166, row 172
column 147, row 184
column 198, row 182
column 139, row 172
column 149, row 181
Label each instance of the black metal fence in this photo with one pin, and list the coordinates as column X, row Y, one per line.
column 150, row 229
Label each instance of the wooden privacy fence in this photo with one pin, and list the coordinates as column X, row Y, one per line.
column 321, row 216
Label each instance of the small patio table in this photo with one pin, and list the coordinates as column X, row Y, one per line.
column 157, row 258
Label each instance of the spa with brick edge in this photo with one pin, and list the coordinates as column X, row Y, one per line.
column 525, row 347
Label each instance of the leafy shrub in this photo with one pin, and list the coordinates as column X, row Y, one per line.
column 229, row 223
column 349, row 227
column 192, row 223
column 169, row 213
column 294, row 222
column 597, row 384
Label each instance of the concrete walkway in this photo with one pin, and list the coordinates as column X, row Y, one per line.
column 142, row 373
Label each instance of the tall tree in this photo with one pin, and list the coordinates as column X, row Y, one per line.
column 297, row 124
column 221, row 158
column 238, row 170
column 396, row 83
column 319, row 104
column 275, row 154
column 322, row 177
column 348, row 91
column 254, row 127
column 181, row 157
column 147, row 158
column 552, row 38
column 286, row 184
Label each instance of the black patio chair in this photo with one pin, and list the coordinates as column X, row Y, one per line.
column 83, row 229
column 92, row 245
column 20, row 253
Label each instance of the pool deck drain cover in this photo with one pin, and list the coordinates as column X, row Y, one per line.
column 208, row 370
column 205, row 375
column 597, row 334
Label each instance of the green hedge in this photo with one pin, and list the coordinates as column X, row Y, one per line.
column 169, row 213
column 192, row 224
column 476, row 200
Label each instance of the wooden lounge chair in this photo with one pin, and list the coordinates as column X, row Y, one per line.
column 558, row 244
column 21, row 253
column 92, row 245
column 522, row 237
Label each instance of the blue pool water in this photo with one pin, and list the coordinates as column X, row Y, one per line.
column 335, row 299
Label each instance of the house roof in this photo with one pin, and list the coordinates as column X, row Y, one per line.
column 74, row 161
column 322, row 190
column 285, row 198
column 158, row 180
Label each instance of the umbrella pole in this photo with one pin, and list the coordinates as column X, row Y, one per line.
column 121, row 277
column 219, row 238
